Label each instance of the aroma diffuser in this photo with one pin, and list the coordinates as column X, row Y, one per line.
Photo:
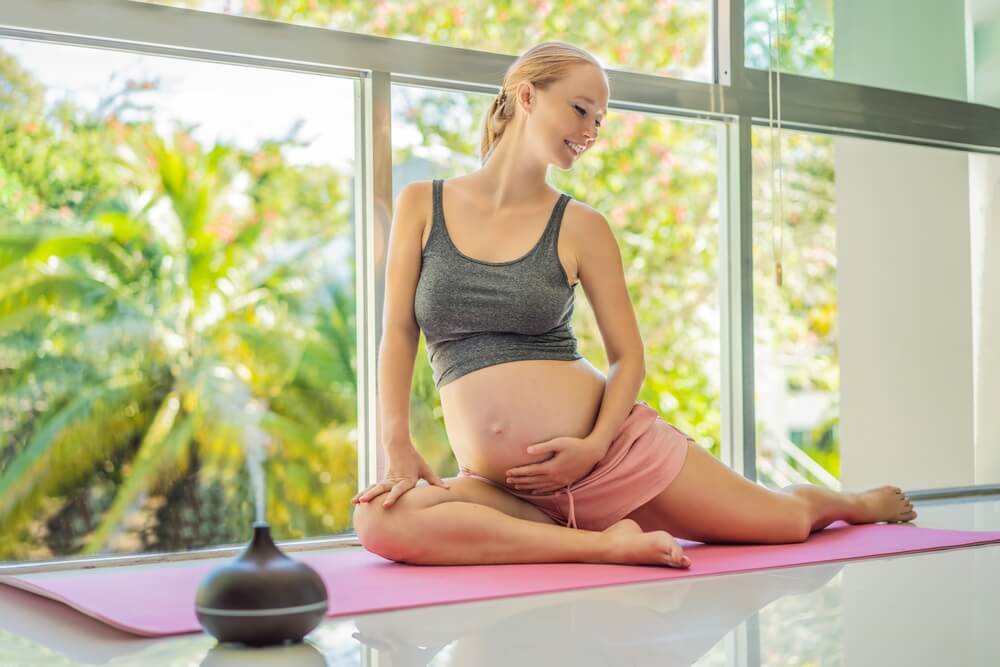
column 262, row 597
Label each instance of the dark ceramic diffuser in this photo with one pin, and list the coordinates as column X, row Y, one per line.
column 262, row 597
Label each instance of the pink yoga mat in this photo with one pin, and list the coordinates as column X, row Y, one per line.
column 158, row 600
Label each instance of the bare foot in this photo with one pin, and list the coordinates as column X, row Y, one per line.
column 628, row 545
column 886, row 503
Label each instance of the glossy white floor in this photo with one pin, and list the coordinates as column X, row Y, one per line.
column 937, row 608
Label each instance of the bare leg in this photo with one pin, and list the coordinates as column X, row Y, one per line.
column 886, row 503
column 709, row 502
column 433, row 526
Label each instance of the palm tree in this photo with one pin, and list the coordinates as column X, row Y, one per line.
column 163, row 330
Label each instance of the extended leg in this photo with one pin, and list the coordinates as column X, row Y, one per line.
column 709, row 502
column 886, row 503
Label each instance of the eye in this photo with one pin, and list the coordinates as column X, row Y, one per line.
column 584, row 112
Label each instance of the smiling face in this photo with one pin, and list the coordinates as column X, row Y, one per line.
column 569, row 111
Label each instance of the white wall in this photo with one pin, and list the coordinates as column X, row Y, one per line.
column 984, row 197
column 904, row 294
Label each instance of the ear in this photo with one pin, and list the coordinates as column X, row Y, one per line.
column 525, row 95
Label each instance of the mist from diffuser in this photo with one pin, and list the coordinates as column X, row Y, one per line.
column 262, row 597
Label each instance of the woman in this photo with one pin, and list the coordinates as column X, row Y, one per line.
column 558, row 462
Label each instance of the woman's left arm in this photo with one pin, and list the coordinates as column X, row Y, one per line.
column 625, row 378
column 599, row 265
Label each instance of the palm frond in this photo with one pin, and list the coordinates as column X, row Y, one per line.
column 36, row 384
column 162, row 445
column 27, row 470
column 62, row 286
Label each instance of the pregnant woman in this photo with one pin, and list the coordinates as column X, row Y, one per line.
column 558, row 461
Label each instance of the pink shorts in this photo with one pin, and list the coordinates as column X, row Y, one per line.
column 645, row 456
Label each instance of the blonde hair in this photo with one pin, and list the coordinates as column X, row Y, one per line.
column 542, row 65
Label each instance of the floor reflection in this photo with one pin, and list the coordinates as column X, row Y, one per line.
column 675, row 622
column 303, row 654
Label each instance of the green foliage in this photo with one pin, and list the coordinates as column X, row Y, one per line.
column 805, row 45
column 142, row 316
column 799, row 318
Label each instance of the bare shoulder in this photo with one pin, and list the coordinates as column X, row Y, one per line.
column 585, row 224
column 414, row 207
column 416, row 197
column 403, row 257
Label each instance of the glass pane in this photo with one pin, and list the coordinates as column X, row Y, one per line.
column 870, row 357
column 655, row 179
column 796, row 356
column 934, row 47
column 177, row 299
column 668, row 37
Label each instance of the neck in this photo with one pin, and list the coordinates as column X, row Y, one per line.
column 511, row 176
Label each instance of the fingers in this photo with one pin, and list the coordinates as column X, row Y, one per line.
column 536, row 486
column 373, row 491
column 437, row 481
column 533, row 479
column 544, row 485
column 528, row 470
column 395, row 490
column 401, row 487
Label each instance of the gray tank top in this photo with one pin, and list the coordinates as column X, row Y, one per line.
column 476, row 314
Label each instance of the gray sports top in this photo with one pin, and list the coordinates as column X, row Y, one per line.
column 476, row 314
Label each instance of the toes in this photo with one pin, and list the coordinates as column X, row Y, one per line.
column 682, row 562
column 675, row 557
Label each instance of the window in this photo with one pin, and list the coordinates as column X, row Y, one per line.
column 932, row 47
column 178, row 298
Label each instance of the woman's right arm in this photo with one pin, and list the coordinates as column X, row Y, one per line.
column 398, row 349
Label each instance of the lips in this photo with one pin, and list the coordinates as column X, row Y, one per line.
column 571, row 149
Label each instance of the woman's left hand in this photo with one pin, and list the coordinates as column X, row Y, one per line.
column 571, row 460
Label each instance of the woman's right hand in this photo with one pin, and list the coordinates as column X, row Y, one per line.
column 405, row 467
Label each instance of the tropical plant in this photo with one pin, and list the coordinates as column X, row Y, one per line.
column 165, row 326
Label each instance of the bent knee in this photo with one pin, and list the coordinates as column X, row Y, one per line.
column 393, row 532
column 383, row 530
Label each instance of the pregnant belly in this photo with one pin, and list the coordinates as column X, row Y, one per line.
column 494, row 414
